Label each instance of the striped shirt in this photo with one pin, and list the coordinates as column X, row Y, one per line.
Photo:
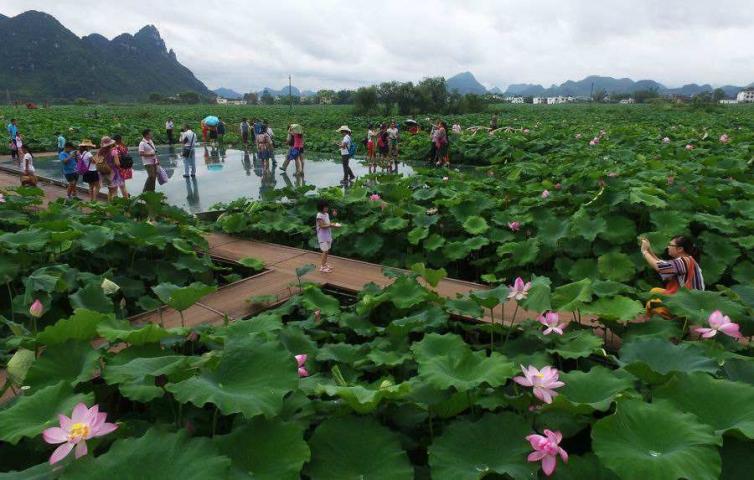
column 678, row 269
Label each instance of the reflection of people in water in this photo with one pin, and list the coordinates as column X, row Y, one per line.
column 268, row 179
column 192, row 195
column 257, row 165
column 287, row 180
column 246, row 161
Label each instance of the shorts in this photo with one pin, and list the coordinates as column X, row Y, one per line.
column 91, row 177
column 72, row 177
column 383, row 149
column 245, row 137
column 325, row 245
column 213, row 134
column 107, row 180
column 370, row 148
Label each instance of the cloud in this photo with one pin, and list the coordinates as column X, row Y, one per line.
column 344, row 44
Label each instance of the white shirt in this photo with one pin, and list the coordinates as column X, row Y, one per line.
column 392, row 133
column 188, row 138
column 28, row 164
column 147, row 152
column 346, row 143
column 168, row 125
column 269, row 132
column 86, row 157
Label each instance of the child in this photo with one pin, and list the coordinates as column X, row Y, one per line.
column 28, row 177
column 68, row 160
column 324, row 235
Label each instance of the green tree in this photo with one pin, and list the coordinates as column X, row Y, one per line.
column 251, row 98
column 191, row 98
column 387, row 95
column 718, row 94
column 155, row 97
column 599, row 95
column 433, row 95
column 267, row 98
column 344, row 97
column 365, row 100
column 642, row 96
column 405, row 97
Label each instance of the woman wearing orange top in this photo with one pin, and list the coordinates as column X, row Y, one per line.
column 681, row 271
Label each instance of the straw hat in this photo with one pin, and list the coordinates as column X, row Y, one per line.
column 344, row 128
column 106, row 142
column 87, row 143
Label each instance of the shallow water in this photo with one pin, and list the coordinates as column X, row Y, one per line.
column 225, row 174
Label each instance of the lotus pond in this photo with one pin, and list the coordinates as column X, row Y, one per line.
column 396, row 385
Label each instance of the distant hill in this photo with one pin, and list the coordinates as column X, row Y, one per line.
column 40, row 59
column 227, row 93
column 465, row 83
column 283, row 92
column 495, row 91
column 594, row 83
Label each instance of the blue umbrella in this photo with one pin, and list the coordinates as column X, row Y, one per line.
column 211, row 121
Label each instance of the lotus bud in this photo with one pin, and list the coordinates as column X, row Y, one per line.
column 109, row 287
column 545, row 193
column 37, row 309
column 689, row 147
column 666, row 140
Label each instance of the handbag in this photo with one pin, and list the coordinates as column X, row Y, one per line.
column 101, row 165
column 162, row 175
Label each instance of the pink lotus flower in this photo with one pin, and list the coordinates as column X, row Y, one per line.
column 514, row 226
column 2, row 198
column 519, row 290
column 301, row 361
column 36, row 309
column 317, row 314
column 85, row 423
column 546, row 449
column 374, row 197
column 719, row 323
column 724, row 138
column 594, row 141
column 671, row 179
column 544, row 382
column 551, row 320
column 334, row 212
column 578, row 135
column 545, row 193
column 689, row 147
column 557, row 186
column 526, row 130
column 666, row 140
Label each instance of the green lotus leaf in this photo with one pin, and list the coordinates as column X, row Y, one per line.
column 655, row 327
column 464, row 306
column 74, row 362
column 135, row 371
column 424, row 220
column 596, row 389
column 539, row 297
column 716, row 222
column 346, row 448
column 572, row 296
column 43, row 471
column 392, row 224
column 640, row 195
column 475, row 243
column 583, row 268
column 417, row 234
column 475, row 225
column 446, row 361
column 31, row 239
column 576, row 344
column 28, row 415
column 19, row 365
column 181, row 298
column 183, row 246
column 434, row 242
column 313, row 298
column 654, row 359
column 587, row 226
column 503, row 450
column 266, row 449
column 8, row 269
column 366, row 399
column 722, row 404
column 608, row 288
column 424, row 194
column 669, row 221
column 431, row 318
column 642, row 441
column 155, row 456
column 92, row 297
column 616, row 266
column 617, row 308
column 123, row 331
column 619, row 229
column 432, row 277
column 94, row 237
column 492, row 297
column 82, row 325
column 304, row 269
column 552, row 229
column 583, row 467
column 520, row 253
column 252, row 378
column 252, row 262
column 456, row 251
column 368, row 244
column 719, row 254
column 341, row 353
column 405, row 293
column 738, row 462
column 697, row 305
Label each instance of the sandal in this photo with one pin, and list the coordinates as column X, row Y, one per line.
column 325, row 269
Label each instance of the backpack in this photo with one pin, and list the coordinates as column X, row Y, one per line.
column 352, row 149
column 101, row 164
column 81, row 166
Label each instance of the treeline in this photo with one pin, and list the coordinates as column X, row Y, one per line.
column 429, row 95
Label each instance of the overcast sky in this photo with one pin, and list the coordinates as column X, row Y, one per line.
column 336, row 44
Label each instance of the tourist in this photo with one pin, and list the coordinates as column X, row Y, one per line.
column 295, row 141
column 272, row 139
column 188, row 141
column 681, row 271
column 148, row 154
column 169, row 130
column 244, row 128
column 264, row 145
column 456, row 128
column 383, row 145
column 68, row 160
column 345, row 154
column 324, row 233
column 90, row 175
column 28, row 175
column 441, row 144
column 12, row 134
column 433, row 144
column 371, row 149
column 257, row 126
column 60, row 142
column 126, row 163
column 393, row 136
column 493, row 122
column 108, row 166
column 220, row 130
column 205, row 132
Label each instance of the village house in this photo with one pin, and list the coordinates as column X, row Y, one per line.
column 745, row 96
column 627, row 101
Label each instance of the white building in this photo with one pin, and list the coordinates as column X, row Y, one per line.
column 745, row 96
column 627, row 101
column 558, row 100
column 517, row 100
column 225, row 101
column 538, row 100
column 728, row 101
column 221, row 101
